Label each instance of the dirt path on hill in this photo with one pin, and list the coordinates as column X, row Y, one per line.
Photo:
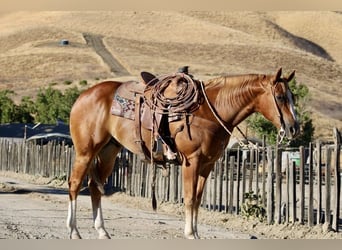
column 96, row 42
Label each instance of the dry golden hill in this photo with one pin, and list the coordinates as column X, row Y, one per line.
column 211, row 43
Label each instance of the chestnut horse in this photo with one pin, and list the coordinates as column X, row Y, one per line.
column 97, row 134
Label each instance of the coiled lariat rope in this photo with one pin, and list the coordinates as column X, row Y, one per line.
column 186, row 98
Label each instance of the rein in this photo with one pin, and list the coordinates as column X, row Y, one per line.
column 281, row 133
column 241, row 143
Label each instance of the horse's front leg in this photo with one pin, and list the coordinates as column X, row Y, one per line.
column 189, row 183
column 200, row 186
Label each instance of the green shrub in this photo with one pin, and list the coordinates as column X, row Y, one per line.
column 67, row 82
column 83, row 82
column 252, row 208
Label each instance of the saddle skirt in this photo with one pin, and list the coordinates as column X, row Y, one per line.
column 123, row 104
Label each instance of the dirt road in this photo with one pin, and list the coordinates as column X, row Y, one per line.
column 114, row 65
column 30, row 211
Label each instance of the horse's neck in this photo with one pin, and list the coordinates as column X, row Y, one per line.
column 235, row 102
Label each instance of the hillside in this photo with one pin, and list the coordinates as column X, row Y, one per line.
column 211, row 43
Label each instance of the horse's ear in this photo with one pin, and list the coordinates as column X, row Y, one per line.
column 148, row 78
column 278, row 75
column 291, row 76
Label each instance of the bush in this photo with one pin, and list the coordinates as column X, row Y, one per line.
column 67, row 82
column 83, row 82
column 251, row 208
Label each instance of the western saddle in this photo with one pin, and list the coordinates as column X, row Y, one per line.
column 153, row 104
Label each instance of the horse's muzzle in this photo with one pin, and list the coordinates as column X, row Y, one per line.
column 292, row 130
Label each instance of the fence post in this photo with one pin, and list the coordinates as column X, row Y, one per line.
column 301, row 185
column 293, row 191
column 287, row 200
column 244, row 170
column 270, row 196
column 310, row 208
column 231, row 187
column 337, row 180
column 319, row 181
column 327, row 188
column 220, row 177
column 263, row 195
column 214, row 190
column 251, row 170
column 257, row 162
column 238, row 167
column 226, row 167
column 278, row 196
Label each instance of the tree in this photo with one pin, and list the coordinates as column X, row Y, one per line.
column 258, row 124
column 49, row 105
column 70, row 96
column 7, row 107
column 52, row 104
column 25, row 110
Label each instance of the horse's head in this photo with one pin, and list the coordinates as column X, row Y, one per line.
column 277, row 104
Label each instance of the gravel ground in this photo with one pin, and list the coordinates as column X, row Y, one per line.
column 33, row 207
column 32, row 211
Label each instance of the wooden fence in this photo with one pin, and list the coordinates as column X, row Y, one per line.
column 305, row 190
column 48, row 160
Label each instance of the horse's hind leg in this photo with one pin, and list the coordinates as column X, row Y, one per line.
column 86, row 151
column 78, row 173
column 98, row 174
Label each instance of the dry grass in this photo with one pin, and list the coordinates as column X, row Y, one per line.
column 212, row 43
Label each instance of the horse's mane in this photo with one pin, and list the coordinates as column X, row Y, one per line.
column 237, row 90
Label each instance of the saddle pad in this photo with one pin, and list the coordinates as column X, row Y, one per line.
column 123, row 107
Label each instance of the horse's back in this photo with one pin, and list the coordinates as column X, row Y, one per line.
column 92, row 109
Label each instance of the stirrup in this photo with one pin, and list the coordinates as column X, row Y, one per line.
column 170, row 155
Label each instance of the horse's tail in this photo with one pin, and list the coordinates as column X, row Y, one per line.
column 154, row 200
column 94, row 175
column 153, row 187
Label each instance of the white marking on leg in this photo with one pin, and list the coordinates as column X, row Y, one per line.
column 99, row 222
column 71, row 221
column 188, row 229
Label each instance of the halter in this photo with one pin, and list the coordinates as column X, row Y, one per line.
column 281, row 132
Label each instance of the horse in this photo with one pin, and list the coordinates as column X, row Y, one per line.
column 199, row 138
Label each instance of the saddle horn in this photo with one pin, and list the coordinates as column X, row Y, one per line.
column 149, row 78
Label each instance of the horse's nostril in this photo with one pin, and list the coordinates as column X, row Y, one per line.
column 294, row 129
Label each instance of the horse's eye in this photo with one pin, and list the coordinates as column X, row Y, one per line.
column 294, row 99
column 281, row 98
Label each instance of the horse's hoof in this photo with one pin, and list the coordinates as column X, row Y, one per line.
column 75, row 236
column 104, row 237
column 189, row 236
